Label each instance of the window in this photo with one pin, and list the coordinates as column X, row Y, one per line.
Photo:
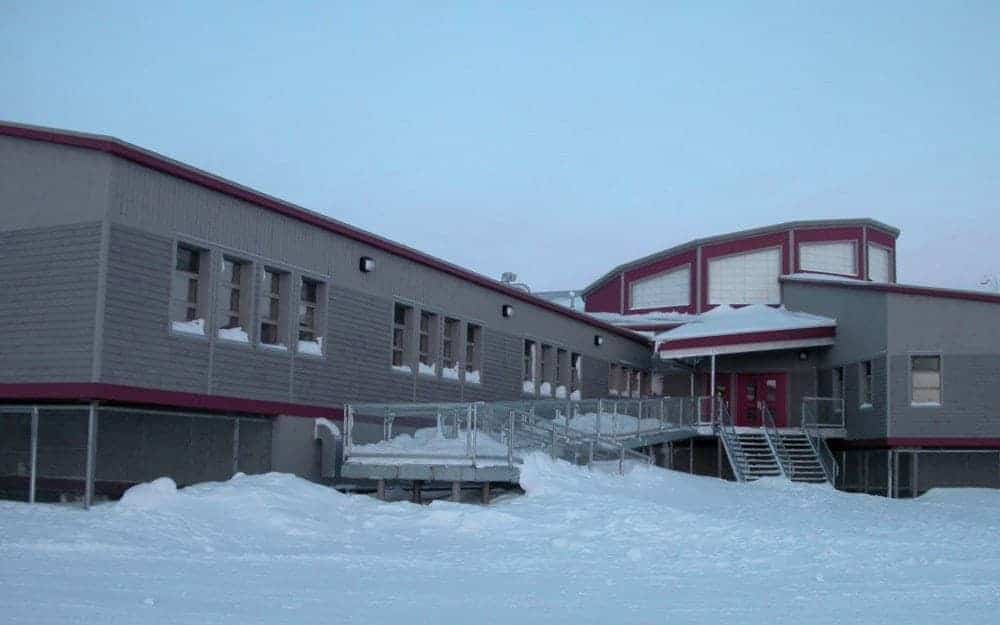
column 186, row 308
column 528, row 367
column 310, row 317
column 925, row 380
column 271, row 317
column 234, row 307
column 562, row 372
column 449, row 344
column 838, row 257
column 636, row 383
column 866, row 383
column 473, row 352
column 427, row 347
column 879, row 264
column 625, row 382
column 401, row 320
column 545, row 370
column 669, row 289
column 574, row 373
column 613, row 373
column 656, row 385
column 749, row 278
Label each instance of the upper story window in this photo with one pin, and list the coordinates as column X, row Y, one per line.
column 234, row 294
column 656, row 384
column 272, row 316
column 187, row 294
column 866, row 383
column 836, row 257
column 574, row 373
column 545, row 369
column 528, row 367
column 310, row 317
column 925, row 380
column 473, row 352
column 748, row 278
column 665, row 290
column 562, row 372
column 401, row 322
column 614, row 372
column 450, row 345
column 428, row 342
column 879, row 263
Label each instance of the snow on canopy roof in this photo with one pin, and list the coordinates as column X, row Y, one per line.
column 747, row 321
column 643, row 319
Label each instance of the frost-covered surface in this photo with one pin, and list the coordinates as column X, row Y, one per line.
column 195, row 326
column 725, row 319
column 425, row 369
column 313, row 348
column 610, row 424
column 328, row 425
column 580, row 548
column 430, row 445
column 237, row 334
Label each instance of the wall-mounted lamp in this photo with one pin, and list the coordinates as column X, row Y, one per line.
column 367, row 264
column 598, row 340
column 803, row 356
column 507, row 310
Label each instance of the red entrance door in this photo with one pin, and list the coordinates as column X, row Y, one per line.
column 754, row 388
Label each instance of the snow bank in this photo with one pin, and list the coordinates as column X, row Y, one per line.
column 195, row 326
column 608, row 423
column 149, row 495
column 582, row 547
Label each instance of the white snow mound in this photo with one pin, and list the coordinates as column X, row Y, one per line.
column 149, row 495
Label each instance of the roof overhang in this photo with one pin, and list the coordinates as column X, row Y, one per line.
column 747, row 342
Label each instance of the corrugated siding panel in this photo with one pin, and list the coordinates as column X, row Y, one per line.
column 594, row 378
column 138, row 348
column 48, row 277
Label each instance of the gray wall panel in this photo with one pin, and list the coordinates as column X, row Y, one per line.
column 44, row 185
column 49, row 280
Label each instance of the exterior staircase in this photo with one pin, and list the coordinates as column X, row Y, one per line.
column 800, row 461
column 755, row 457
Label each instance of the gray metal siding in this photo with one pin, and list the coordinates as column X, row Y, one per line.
column 44, row 185
column 138, row 348
column 48, row 277
column 169, row 207
column 970, row 399
column 965, row 334
column 594, row 378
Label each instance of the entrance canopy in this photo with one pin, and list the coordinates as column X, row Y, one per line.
column 755, row 328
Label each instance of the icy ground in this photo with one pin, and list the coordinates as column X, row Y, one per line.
column 651, row 547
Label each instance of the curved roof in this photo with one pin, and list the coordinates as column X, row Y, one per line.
column 153, row 160
column 740, row 234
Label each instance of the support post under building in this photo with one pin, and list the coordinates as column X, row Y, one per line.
column 33, row 480
column 88, row 491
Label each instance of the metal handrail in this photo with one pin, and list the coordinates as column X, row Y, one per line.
column 724, row 426
column 775, row 442
column 811, row 426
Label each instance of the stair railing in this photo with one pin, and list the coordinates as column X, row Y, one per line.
column 722, row 421
column 775, row 442
column 813, row 422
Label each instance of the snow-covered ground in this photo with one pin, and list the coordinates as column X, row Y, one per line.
column 609, row 424
column 429, row 446
column 581, row 547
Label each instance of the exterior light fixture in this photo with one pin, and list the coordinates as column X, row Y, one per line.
column 367, row 264
column 598, row 340
column 507, row 310
column 803, row 356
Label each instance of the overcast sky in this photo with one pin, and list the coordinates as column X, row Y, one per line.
column 553, row 140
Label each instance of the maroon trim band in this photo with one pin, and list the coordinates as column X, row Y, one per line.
column 88, row 391
column 750, row 337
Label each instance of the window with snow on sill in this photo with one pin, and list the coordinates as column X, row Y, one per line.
column 528, row 387
column 313, row 348
column 402, row 368
column 236, row 334
column 472, row 377
column 546, row 389
column 427, row 369
column 195, row 326
column 450, row 374
column 561, row 392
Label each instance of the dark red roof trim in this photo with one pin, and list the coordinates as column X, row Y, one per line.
column 88, row 391
column 882, row 443
column 750, row 337
column 899, row 289
column 190, row 174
